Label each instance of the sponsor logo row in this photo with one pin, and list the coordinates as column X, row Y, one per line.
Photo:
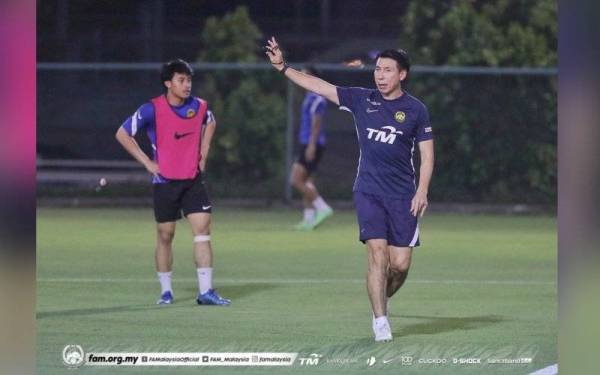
column 73, row 356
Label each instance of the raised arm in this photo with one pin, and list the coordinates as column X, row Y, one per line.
column 303, row 80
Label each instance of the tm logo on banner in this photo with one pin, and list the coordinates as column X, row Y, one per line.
column 311, row 360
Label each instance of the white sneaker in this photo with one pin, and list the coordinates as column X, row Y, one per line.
column 382, row 330
column 387, row 312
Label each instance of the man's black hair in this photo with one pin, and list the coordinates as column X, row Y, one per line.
column 174, row 66
column 399, row 55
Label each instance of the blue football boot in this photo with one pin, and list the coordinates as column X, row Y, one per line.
column 212, row 298
column 166, row 298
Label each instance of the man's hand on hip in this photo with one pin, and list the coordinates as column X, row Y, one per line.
column 152, row 167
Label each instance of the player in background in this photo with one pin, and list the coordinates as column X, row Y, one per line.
column 311, row 137
column 180, row 128
column 389, row 121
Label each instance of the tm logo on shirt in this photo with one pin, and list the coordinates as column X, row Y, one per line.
column 386, row 134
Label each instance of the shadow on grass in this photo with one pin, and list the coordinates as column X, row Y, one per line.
column 231, row 291
column 188, row 294
column 434, row 325
column 94, row 311
column 439, row 324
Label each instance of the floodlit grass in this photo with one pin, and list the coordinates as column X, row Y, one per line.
column 480, row 287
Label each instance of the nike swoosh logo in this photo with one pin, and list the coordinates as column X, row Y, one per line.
column 179, row 136
column 206, row 207
column 369, row 110
column 387, row 361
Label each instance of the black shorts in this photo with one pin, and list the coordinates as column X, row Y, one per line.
column 177, row 196
column 312, row 165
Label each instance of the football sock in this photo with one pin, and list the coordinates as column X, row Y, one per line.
column 165, row 281
column 309, row 214
column 320, row 204
column 204, row 279
column 381, row 320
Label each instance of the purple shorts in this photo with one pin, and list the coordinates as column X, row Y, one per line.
column 386, row 218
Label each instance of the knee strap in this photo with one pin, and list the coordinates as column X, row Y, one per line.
column 202, row 238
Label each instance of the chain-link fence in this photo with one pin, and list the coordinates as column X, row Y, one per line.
column 495, row 130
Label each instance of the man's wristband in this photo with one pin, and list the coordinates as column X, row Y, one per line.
column 285, row 67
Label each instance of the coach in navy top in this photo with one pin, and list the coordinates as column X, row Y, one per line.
column 389, row 122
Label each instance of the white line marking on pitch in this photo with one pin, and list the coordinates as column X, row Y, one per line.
column 550, row 370
column 294, row 281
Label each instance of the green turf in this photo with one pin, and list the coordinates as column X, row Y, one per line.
column 480, row 286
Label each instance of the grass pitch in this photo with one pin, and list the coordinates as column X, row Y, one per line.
column 479, row 287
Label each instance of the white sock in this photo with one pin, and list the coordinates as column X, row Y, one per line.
column 320, row 204
column 204, row 279
column 309, row 214
column 387, row 308
column 165, row 281
column 380, row 321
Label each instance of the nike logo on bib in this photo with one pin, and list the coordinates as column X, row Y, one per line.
column 179, row 136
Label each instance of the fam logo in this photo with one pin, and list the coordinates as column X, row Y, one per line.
column 386, row 134
column 73, row 356
column 311, row 360
column 190, row 113
column 400, row 116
